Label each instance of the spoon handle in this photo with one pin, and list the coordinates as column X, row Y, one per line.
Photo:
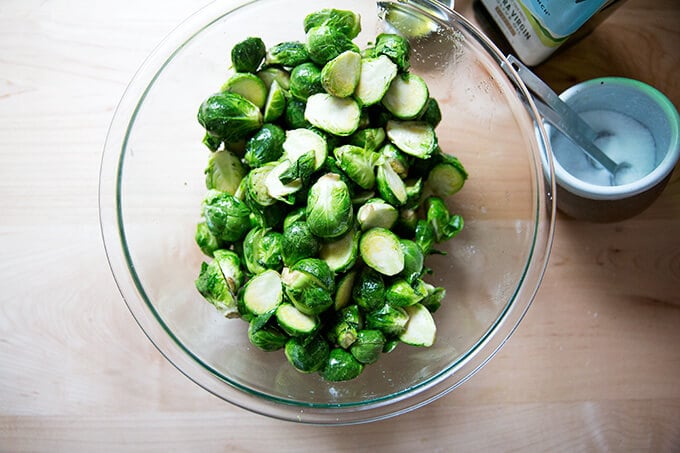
column 561, row 116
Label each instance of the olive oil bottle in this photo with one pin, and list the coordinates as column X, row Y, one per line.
column 533, row 29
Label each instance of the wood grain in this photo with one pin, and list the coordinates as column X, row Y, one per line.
column 595, row 365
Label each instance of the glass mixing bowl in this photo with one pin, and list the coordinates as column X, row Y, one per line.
column 152, row 185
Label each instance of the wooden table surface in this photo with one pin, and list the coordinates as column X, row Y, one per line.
column 595, row 365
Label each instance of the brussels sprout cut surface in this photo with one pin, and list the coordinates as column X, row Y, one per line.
column 327, row 191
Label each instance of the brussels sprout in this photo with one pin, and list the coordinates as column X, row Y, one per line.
column 298, row 242
column 338, row 116
column 229, row 116
column 416, row 138
column 329, row 207
column 369, row 289
column 343, row 293
column 435, row 295
column 307, row 354
column 376, row 213
column 413, row 260
column 230, row 265
column 389, row 320
column 227, row 217
column 345, row 22
column 265, row 146
column 341, row 366
column 205, row 240
column 277, row 188
column 341, row 254
column 390, row 345
column 325, row 43
column 369, row 138
column 309, row 284
column 272, row 74
column 247, row 55
column 368, row 346
column 342, row 333
column 431, row 113
column 305, row 80
column 403, row 294
column 300, row 141
column 213, row 143
column 262, row 293
column 376, row 76
column 224, row 172
column 257, row 193
column 294, row 322
column 288, row 53
column 390, row 186
column 247, row 85
column 296, row 215
column 380, row 249
column 447, row 178
column 444, row 225
column 262, row 250
column 357, row 163
column 397, row 160
column 340, row 76
column 420, row 329
column 414, row 192
column 300, row 170
column 212, row 285
column 406, row 97
column 266, row 337
column 424, row 237
column 275, row 105
column 295, row 114
column 396, row 47
column 319, row 270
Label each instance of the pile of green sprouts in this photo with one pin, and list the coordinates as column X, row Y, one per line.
column 326, row 190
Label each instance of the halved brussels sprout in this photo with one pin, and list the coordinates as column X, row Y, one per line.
column 390, row 320
column 406, row 97
column 229, row 116
column 403, row 294
column 301, row 141
column 256, row 186
column 247, row 85
column 338, row 116
column 227, row 217
column 307, row 354
column 342, row 333
column 319, row 270
column 224, row 172
column 247, row 55
column 396, row 47
column 329, row 207
column 344, row 21
column 340, row 76
column 288, row 53
column 444, row 225
column 262, row 250
column 369, row 289
column 420, row 329
column 376, row 76
column 380, row 250
column 305, row 80
column 424, row 237
column 357, row 163
column 275, row 105
column 413, row 260
column 267, row 338
column 212, row 285
column 294, row 322
column 263, row 292
column 230, row 265
column 368, row 346
column 447, row 178
column 326, row 42
column 205, row 240
column 397, row 160
column 271, row 74
column 298, row 242
column 431, row 113
column 341, row 366
column 265, row 146
column 341, row 254
column 376, row 212
column 343, row 293
column 390, row 186
column 416, row 138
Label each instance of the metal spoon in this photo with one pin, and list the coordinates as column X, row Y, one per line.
column 565, row 119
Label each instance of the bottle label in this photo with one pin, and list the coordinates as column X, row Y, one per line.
column 535, row 28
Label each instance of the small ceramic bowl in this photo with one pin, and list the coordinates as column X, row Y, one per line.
column 647, row 123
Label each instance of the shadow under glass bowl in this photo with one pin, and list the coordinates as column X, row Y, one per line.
column 152, row 185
